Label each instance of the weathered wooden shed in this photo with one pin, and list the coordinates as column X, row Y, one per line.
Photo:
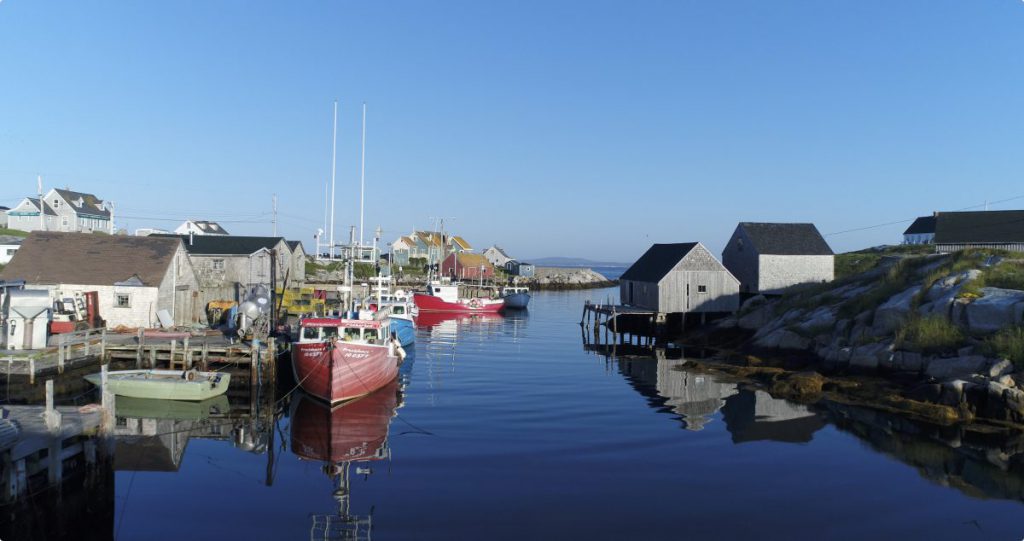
column 995, row 229
column 680, row 278
column 769, row 257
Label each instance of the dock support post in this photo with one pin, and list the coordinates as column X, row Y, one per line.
column 32, row 371
column 103, row 346
column 51, row 415
column 60, row 353
column 106, row 402
column 270, row 372
column 170, row 361
column 141, row 337
column 152, row 356
column 186, row 356
column 254, row 359
column 205, row 356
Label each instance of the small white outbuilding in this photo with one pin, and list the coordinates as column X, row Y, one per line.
column 27, row 313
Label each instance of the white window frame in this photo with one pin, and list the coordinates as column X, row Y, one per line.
column 117, row 300
column 217, row 264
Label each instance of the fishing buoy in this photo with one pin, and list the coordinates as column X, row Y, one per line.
column 400, row 351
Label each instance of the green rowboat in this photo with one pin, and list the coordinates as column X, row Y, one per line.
column 164, row 384
column 179, row 410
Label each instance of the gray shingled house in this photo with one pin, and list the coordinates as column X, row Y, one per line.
column 999, row 229
column 679, row 278
column 134, row 277
column 769, row 257
column 922, row 231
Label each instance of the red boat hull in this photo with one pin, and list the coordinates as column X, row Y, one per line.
column 346, row 372
column 354, row 431
column 430, row 303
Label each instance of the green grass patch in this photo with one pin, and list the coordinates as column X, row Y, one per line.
column 899, row 277
column 12, row 232
column 934, row 334
column 1007, row 275
column 855, row 263
column 1006, row 344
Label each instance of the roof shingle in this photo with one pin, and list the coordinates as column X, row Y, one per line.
column 48, row 257
column 980, row 227
column 657, row 261
column 786, row 239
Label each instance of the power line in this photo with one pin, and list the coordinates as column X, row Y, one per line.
column 886, row 224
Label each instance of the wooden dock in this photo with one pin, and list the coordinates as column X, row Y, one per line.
column 47, row 437
column 622, row 324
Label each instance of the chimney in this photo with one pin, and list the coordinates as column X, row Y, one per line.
column 190, row 234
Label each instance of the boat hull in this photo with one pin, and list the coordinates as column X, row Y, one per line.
column 404, row 330
column 518, row 301
column 161, row 384
column 430, row 303
column 346, row 372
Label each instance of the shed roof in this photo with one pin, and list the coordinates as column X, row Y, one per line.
column 295, row 244
column 49, row 257
column 657, row 261
column 461, row 242
column 224, row 244
column 786, row 239
column 994, row 226
column 471, row 260
column 34, row 201
column 922, row 225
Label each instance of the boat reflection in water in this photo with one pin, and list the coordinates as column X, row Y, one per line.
column 449, row 321
column 352, row 433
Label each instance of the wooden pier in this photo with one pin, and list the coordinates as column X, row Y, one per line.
column 622, row 324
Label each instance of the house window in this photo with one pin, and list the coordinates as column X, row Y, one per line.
column 702, row 289
column 64, row 221
column 56, row 203
column 122, row 300
column 218, row 264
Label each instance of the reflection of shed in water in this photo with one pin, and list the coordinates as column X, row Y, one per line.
column 749, row 415
column 755, row 415
column 150, row 444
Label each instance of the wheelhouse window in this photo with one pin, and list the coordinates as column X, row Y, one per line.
column 352, row 335
column 122, row 300
column 310, row 333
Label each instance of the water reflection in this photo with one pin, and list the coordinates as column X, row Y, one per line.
column 342, row 437
column 981, row 462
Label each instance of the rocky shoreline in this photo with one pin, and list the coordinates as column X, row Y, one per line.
column 567, row 278
column 930, row 337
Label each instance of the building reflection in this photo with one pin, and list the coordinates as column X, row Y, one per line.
column 353, row 435
column 983, row 462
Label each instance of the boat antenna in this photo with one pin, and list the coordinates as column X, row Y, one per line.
column 362, row 179
column 334, row 156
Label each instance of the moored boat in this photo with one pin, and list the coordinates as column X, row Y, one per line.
column 445, row 298
column 337, row 359
column 517, row 297
column 164, row 384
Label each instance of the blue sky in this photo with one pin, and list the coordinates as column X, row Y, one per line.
column 587, row 129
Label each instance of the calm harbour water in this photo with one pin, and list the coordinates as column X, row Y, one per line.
column 507, row 428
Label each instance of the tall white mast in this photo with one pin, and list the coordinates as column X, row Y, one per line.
column 334, row 156
column 362, row 179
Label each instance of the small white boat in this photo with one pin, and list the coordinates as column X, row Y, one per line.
column 164, row 384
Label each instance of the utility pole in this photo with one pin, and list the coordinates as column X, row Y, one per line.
column 42, row 212
column 275, row 214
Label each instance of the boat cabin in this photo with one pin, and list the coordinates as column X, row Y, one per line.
column 347, row 330
column 514, row 290
column 447, row 293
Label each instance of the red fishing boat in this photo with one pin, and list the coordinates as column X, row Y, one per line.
column 338, row 359
column 445, row 298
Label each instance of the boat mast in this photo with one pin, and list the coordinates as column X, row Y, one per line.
column 334, row 156
column 362, row 181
